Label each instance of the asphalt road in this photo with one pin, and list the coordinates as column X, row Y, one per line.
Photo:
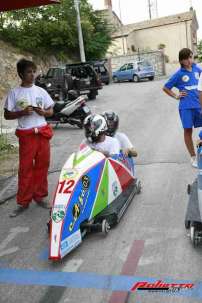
column 153, row 225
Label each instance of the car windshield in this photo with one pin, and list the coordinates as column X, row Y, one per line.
column 144, row 64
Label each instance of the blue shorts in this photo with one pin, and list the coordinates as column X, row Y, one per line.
column 191, row 117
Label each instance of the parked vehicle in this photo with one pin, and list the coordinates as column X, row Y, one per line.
column 134, row 71
column 72, row 111
column 80, row 77
column 102, row 71
column 56, row 82
column 85, row 79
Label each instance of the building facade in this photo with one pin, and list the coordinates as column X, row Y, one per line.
column 170, row 33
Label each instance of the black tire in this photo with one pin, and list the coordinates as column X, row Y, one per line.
column 107, row 83
column 151, row 78
column 105, row 227
column 115, row 79
column 193, row 234
column 92, row 95
column 136, row 78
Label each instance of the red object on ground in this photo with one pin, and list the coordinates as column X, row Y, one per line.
column 129, row 269
column 16, row 4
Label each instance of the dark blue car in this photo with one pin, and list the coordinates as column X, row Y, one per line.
column 134, row 71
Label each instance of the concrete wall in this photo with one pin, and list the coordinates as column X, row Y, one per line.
column 118, row 47
column 155, row 57
column 174, row 36
column 8, row 59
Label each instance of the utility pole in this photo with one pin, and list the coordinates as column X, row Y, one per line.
column 149, row 4
column 80, row 35
column 121, row 28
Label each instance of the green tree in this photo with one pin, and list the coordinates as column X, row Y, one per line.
column 199, row 49
column 52, row 30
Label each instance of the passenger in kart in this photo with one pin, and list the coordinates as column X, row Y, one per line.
column 95, row 127
column 112, row 120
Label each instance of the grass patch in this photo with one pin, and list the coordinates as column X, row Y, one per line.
column 5, row 146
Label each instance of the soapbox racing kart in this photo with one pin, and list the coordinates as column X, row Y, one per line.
column 193, row 218
column 92, row 194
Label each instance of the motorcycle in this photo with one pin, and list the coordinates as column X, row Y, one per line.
column 70, row 111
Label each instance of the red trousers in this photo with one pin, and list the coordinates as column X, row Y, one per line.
column 34, row 159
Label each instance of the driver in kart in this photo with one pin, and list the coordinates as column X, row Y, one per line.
column 95, row 127
column 112, row 120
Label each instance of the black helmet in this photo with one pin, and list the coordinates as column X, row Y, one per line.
column 94, row 126
column 112, row 122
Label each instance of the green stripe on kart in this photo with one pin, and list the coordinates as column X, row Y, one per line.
column 79, row 160
column 102, row 195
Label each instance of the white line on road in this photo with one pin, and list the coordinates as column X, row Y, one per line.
column 12, row 235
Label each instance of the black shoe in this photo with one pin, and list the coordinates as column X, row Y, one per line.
column 43, row 203
column 20, row 209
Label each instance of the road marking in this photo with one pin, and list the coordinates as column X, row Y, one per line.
column 89, row 280
column 129, row 268
column 12, row 235
column 144, row 261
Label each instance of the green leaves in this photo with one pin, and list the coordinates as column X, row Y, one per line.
column 199, row 50
column 52, row 30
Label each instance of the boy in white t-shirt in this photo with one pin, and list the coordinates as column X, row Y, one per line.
column 112, row 120
column 30, row 104
column 95, row 128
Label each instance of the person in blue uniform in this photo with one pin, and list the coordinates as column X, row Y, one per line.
column 186, row 81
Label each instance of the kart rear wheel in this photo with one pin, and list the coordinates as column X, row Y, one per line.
column 105, row 227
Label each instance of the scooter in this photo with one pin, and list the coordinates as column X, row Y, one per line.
column 70, row 111
column 193, row 218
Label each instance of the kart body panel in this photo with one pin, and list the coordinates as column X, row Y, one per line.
column 88, row 184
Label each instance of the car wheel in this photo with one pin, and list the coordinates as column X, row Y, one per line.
column 135, row 78
column 151, row 78
column 92, row 95
column 115, row 79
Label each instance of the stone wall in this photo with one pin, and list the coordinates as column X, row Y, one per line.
column 156, row 58
column 8, row 59
column 9, row 79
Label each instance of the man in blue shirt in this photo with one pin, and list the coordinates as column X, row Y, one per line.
column 186, row 81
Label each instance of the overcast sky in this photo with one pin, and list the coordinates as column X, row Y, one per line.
column 137, row 10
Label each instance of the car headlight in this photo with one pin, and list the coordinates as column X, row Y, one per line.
column 48, row 85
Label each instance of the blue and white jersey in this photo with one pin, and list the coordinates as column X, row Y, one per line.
column 186, row 80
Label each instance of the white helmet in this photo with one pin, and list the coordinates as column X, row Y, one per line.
column 94, row 126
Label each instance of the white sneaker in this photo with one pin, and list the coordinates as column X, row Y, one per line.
column 194, row 162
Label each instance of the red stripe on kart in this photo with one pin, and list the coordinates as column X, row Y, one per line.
column 125, row 178
column 129, row 269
